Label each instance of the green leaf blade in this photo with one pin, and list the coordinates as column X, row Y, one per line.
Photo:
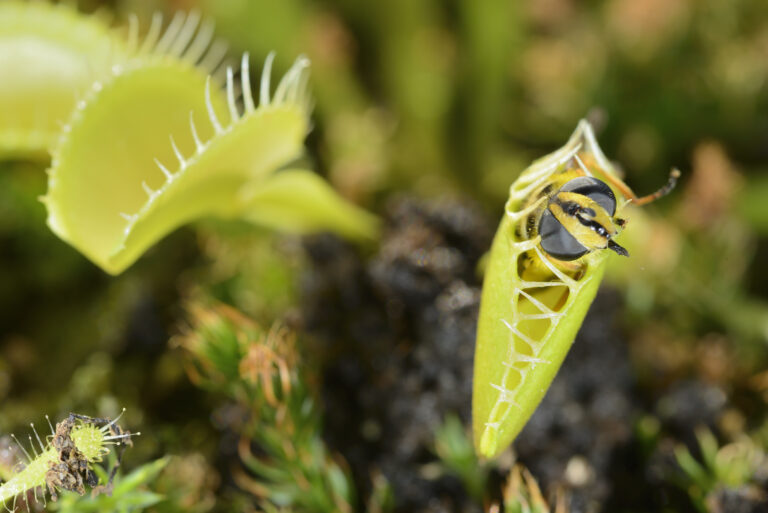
column 109, row 150
column 300, row 201
column 157, row 147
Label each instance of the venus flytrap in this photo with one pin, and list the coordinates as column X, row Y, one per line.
column 158, row 145
column 49, row 56
column 108, row 165
column 299, row 201
column 147, row 134
column 526, row 326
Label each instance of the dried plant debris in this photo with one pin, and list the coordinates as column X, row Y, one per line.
column 523, row 495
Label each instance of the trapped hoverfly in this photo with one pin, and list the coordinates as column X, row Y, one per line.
column 562, row 220
column 576, row 213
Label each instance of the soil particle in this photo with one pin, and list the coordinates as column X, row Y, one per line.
column 689, row 404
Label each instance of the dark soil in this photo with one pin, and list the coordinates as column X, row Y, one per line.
column 404, row 359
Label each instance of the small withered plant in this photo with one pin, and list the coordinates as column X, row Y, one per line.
column 285, row 463
column 522, row 495
column 65, row 461
column 521, row 492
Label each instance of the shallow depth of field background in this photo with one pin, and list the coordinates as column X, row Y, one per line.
column 425, row 112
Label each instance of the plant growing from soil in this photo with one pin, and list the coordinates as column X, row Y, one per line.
column 66, row 460
column 154, row 142
column 541, row 280
column 358, row 397
column 526, row 328
column 727, row 478
column 522, row 494
column 261, row 370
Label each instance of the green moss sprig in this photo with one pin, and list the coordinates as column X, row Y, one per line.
column 738, row 467
column 261, row 369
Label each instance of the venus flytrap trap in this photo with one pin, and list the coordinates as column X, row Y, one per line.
column 65, row 460
column 52, row 56
column 157, row 145
column 49, row 56
column 544, row 269
column 146, row 151
column 145, row 137
column 113, row 160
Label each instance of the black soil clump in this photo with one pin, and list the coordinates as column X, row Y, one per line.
column 398, row 333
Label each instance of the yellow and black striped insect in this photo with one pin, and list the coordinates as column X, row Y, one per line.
column 576, row 215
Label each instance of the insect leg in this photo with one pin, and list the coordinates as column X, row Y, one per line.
column 666, row 189
column 644, row 200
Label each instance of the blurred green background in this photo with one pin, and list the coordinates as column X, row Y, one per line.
column 435, row 99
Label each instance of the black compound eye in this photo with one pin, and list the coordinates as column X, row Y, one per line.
column 557, row 241
column 596, row 190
